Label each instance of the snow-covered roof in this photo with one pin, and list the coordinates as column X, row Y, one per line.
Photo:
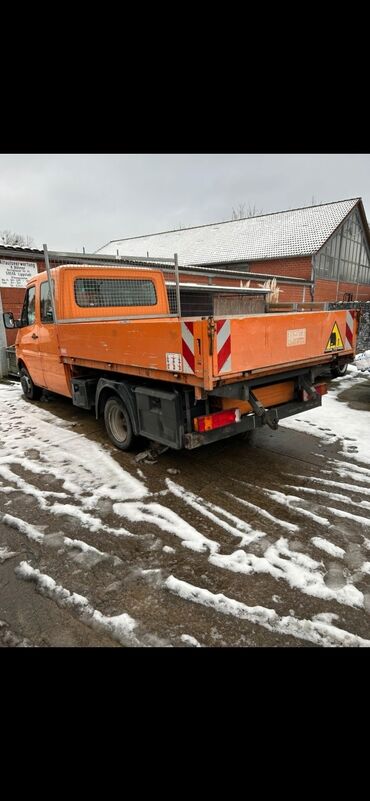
column 25, row 248
column 296, row 232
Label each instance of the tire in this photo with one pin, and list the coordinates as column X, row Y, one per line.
column 118, row 424
column 30, row 390
column 339, row 370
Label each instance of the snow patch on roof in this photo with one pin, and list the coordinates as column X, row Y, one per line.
column 297, row 232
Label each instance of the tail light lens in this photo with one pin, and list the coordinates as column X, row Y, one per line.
column 216, row 420
column 321, row 389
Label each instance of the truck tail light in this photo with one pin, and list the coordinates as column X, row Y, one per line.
column 321, row 389
column 216, row 420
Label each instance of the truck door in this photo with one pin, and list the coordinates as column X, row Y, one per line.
column 54, row 370
column 28, row 348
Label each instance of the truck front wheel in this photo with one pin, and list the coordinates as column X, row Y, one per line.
column 30, row 390
column 118, row 424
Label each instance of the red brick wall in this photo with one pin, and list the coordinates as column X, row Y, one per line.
column 327, row 290
column 298, row 267
column 12, row 299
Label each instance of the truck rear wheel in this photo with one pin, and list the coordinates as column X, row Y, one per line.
column 339, row 370
column 30, row 390
column 118, row 424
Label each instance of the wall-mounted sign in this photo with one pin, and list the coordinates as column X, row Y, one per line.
column 16, row 273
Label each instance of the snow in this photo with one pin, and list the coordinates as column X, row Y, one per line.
column 299, row 570
column 325, row 617
column 362, row 361
column 25, row 528
column 167, row 520
column 84, row 467
column 291, row 502
column 329, row 483
column 5, row 554
column 336, row 421
column 190, row 640
column 282, row 523
column 302, row 558
column 36, row 535
column 88, row 556
column 316, row 631
column 364, row 521
column 355, row 469
column 328, row 547
column 294, row 232
column 120, row 627
column 333, row 496
column 241, row 529
column 86, row 520
column 34, row 440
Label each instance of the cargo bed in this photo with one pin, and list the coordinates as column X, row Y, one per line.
column 205, row 352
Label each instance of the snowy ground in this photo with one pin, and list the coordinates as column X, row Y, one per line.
column 338, row 421
column 262, row 544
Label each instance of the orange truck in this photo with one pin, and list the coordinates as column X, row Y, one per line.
column 105, row 337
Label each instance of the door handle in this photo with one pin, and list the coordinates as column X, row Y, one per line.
column 34, row 336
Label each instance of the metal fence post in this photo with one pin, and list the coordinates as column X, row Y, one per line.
column 46, row 255
column 176, row 260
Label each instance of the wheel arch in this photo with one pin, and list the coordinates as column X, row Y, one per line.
column 106, row 388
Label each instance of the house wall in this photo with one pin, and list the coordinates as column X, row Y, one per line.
column 324, row 289
column 327, row 290
column 12, row 297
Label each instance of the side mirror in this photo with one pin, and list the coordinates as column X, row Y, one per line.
column 9, row 320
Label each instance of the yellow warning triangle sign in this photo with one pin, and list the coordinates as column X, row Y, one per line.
column 335, row 341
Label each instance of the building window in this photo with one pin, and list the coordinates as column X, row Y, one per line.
column 99, row 292
column 345, row 255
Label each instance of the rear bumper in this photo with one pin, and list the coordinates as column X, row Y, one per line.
column 247, row 423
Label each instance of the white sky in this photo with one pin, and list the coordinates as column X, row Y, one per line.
column 71, row 201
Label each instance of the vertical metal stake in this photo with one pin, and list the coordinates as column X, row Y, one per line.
column 176, row 260
column 46, row 256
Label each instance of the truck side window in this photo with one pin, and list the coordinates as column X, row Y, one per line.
column 46, row 309
column 28, row 311
column 101, row 292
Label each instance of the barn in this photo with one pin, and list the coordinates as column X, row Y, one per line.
column 326, row 245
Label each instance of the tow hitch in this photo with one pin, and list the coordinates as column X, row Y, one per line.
column 269, row 416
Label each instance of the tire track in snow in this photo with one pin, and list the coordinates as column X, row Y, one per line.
column 121, row 628
column 316, row 631
column 244, row 531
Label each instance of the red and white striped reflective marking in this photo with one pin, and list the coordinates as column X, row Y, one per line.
column 223, row 346
column 349, row 330
column 188, row 357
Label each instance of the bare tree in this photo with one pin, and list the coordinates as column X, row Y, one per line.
column 241, row 211
column 12, row 239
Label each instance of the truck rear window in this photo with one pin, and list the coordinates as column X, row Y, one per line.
column 99, row 292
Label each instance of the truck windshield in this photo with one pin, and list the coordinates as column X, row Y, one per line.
column 99, row 292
